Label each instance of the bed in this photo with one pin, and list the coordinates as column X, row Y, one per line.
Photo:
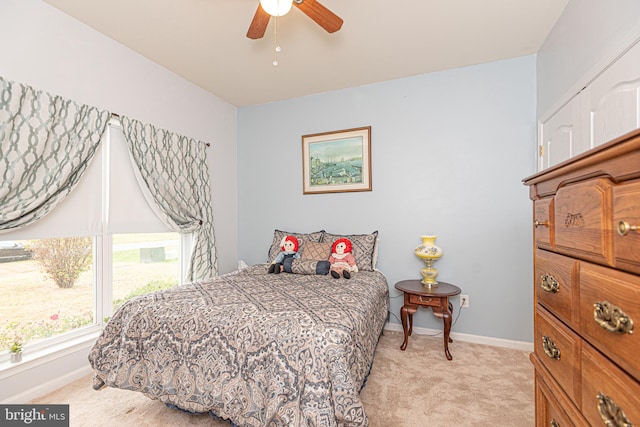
column 251, row 347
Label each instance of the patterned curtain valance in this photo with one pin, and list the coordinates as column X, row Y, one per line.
column 173, row 172
column 46, row 144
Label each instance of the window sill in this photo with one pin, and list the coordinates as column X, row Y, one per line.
column 32, row 359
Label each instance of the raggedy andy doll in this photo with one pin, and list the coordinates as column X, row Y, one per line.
column 343, row 263
column 289, row 248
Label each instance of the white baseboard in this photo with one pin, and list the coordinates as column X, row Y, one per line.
column 48, row 387
column 477, row 339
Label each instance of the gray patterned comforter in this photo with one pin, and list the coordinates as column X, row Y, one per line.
column 254, row 348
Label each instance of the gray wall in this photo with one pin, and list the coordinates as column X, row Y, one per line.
column 587, row 37
column 449, row 151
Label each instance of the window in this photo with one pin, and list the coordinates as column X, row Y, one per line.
column 105, row 237
column 144, row 263
column 46, row 288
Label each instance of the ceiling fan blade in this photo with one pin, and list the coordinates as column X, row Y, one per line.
column 258, row 24
column 320, row 14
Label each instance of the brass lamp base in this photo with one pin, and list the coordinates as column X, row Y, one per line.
column 429, row 275
column 429, row 285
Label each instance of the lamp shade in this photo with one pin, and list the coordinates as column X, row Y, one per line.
column 276, row 7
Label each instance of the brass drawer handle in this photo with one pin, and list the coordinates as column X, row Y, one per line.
column 537, row 223
column 612, row 318
column 554, row 423
column 424, row 300
column 548, row 283
column 550, row 348
column 611, row 413
column 624, row 228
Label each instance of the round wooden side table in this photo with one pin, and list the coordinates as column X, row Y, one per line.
column 417, row 295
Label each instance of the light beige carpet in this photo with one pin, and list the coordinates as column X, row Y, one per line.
column 481, row 386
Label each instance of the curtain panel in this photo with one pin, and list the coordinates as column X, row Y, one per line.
column 173, row 173
column 46, row 144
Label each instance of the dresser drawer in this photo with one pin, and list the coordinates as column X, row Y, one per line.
column 558, row 349
column 605, row 387
column 583, row 218
column 543, row 222
column 626, row 217
column 555, row 285
column 550, row 412
column 616, row 293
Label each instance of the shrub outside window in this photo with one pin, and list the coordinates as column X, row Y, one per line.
column 48, row 287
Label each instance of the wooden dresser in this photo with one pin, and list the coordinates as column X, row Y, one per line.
column 586, row 225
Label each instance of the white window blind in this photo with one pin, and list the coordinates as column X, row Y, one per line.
column 80, row 214
column 129, row 211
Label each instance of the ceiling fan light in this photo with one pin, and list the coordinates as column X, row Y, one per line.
column 276, row 7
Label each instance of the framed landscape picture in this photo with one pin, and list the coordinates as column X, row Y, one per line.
column 337, row 162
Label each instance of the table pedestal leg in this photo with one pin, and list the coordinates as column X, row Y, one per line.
column 450, row 311
column 443, row 311
column 447, row 329
column 406, row 315
column 446, row 317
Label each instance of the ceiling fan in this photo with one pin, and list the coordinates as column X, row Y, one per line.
column 314, row 10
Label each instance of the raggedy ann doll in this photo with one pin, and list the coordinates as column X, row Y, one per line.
column 343, row 263
column 289, row 250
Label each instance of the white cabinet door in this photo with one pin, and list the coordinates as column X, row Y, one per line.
column 559, row 136
column 611, row 103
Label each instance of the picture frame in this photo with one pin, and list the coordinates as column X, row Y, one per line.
column 337, row 161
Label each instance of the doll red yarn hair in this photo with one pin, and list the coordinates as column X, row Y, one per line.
column 291, row 239
column 348, row 246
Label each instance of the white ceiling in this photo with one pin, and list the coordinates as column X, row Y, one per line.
column 204, row 40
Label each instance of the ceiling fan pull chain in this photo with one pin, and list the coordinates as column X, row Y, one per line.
column 276, row 44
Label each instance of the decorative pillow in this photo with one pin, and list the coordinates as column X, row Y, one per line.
column 375, row 253
column 278, row 235
column 302, row 266
column 316, row 251
column 364, row 246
